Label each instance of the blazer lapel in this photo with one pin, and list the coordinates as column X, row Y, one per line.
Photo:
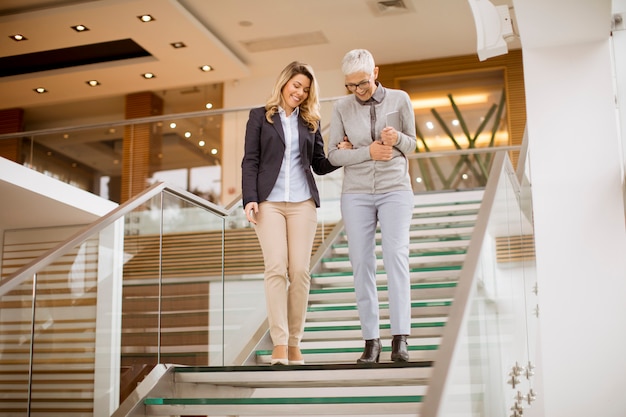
column 278, row 126
column 303, row 134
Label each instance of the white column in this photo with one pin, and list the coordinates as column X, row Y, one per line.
column 575, row 164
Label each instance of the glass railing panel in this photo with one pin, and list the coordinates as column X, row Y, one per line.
column 245, row 314
column 453, row 170
column 145, row 287
column 116, row 160
column 174, row 283
column 15, row 329
column 493, row 365
column 60, row 331
column 192, row 285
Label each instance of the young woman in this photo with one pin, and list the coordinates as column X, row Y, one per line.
column 283, row 142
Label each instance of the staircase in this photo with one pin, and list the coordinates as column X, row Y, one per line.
column 331, row 383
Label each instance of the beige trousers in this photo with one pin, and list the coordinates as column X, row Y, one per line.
column 286, row 232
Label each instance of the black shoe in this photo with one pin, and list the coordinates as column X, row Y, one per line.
column 399, row 350
column 371, row 353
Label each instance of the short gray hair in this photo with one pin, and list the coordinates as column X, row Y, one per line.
column 357, row 60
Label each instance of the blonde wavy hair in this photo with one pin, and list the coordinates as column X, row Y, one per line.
column 309, row 108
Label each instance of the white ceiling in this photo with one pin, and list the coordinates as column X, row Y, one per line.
column 239, row 38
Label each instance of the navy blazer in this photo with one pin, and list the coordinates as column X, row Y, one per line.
column 263, row 156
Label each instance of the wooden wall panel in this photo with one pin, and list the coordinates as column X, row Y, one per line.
column 512, row 64
column 11, row 121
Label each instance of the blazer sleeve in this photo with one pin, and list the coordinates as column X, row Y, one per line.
column 251, row 157
column 320, row 163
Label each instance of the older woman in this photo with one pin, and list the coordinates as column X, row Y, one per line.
column 380, row 124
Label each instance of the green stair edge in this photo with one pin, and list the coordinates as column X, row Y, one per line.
column 412, row 270
column 452, row 213
column 435, row 226
column 385, row 326
column 379, row 399
column 416, row 286
column 417, row 240
column 415, row 304
column 447, row 203
column 411, row 255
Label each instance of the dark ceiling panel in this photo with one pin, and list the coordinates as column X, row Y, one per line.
column 71, row 57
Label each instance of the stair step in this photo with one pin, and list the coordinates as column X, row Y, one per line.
column 428, row 230
column 352, row 330
column 349, row 354
column 447, row 207
column 415, row 260
column 414, row 255
column 349, row 311
column 310, row 375
column 416, row 245
column 419, row 291
column 431, row 273
column 431, row 231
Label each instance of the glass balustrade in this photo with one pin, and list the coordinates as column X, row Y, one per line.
column 488, row 356
column 141, row 287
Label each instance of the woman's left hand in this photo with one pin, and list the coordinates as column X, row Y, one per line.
column 344, row 144
column 389, row 136
column 251, row 210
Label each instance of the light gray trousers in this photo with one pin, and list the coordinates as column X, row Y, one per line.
column 361, row 213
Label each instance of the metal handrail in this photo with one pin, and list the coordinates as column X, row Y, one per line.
column 48, row 257
column 470, row 151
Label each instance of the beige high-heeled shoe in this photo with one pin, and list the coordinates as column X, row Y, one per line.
column 295, row 356
column 279, row 355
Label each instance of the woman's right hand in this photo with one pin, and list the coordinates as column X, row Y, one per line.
column 251, row 210
column 380, row 152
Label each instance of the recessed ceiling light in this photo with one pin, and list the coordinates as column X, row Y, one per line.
column 93, row 83
column 177, row 45
column 209, row 105
column 146, row 18
column 80, row 28
column 206, row 68
column 40, row 90
column 18, row 37
column 148, row 75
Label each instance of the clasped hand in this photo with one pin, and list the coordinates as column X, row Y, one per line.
column 382, row 150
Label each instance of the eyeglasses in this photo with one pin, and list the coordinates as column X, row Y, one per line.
column 362, row 86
